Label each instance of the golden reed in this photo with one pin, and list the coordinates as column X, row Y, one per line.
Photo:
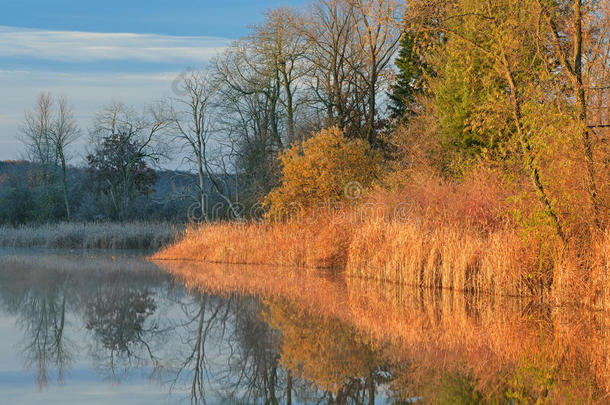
column 457, row 257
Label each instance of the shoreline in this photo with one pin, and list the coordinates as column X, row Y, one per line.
column 497, row 263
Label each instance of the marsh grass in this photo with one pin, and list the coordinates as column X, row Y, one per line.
column 410, row 252
column 93, row 235
column 320, row 244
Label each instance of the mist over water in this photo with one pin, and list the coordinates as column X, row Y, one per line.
column 95, row 327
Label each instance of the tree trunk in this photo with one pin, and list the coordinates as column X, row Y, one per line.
column 579, row 95
column 527, row 149
column 371, row 389
column 289, row 390
column 64, row 180
column 289, row 109
column 371, row 116
column 201, row 173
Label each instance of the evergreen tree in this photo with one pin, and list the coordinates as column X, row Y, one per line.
column 409, row 80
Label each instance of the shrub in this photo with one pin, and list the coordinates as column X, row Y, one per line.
column 327, row 168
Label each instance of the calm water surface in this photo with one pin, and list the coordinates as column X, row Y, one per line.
column 101, row 328
column 111, row 328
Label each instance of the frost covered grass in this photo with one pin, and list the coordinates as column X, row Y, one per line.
column 91, row 235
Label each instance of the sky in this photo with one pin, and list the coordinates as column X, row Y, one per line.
column 97, row 52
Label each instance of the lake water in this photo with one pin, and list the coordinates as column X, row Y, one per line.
column 110, row 328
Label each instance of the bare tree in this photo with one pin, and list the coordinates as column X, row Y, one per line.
column 251, row 87
column 378, row 39
column 330, row 32
column 64, row 132
column 37, row 136
column 192, row 125
column 192, row 120
column 47, row 133
column 249, row 115
column 281, row 43
column 125, row 144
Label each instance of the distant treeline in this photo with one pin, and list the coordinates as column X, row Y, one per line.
column 25, row 198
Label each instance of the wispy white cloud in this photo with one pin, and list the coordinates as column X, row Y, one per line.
column 77, row 75
column 86, row 92
column 76, row 46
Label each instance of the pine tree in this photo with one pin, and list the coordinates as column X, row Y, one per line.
column 410, row 76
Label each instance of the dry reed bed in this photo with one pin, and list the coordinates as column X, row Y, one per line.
column 315, row 245
column 495, row 337
column 409, row 252
column 94, row 235
column 443, row 257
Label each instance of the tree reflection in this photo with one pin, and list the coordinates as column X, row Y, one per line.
column 203, row 315
column 229, row 353
column 112, row 298
column 45, row 347
column 117, row 316
column 254, row 375
column 40, row 310
column 346, row 366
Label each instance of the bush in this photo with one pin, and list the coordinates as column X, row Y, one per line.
column 327, row 168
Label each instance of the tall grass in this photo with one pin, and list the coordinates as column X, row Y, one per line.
column 453, row 257
column 322, row 244
column 430, row 234
column 407, row 252
column 93, row 235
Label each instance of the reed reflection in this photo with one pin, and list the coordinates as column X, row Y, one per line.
column 350, row 336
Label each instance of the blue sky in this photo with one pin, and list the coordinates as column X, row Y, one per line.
column 228, row 18
column 94, row 52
